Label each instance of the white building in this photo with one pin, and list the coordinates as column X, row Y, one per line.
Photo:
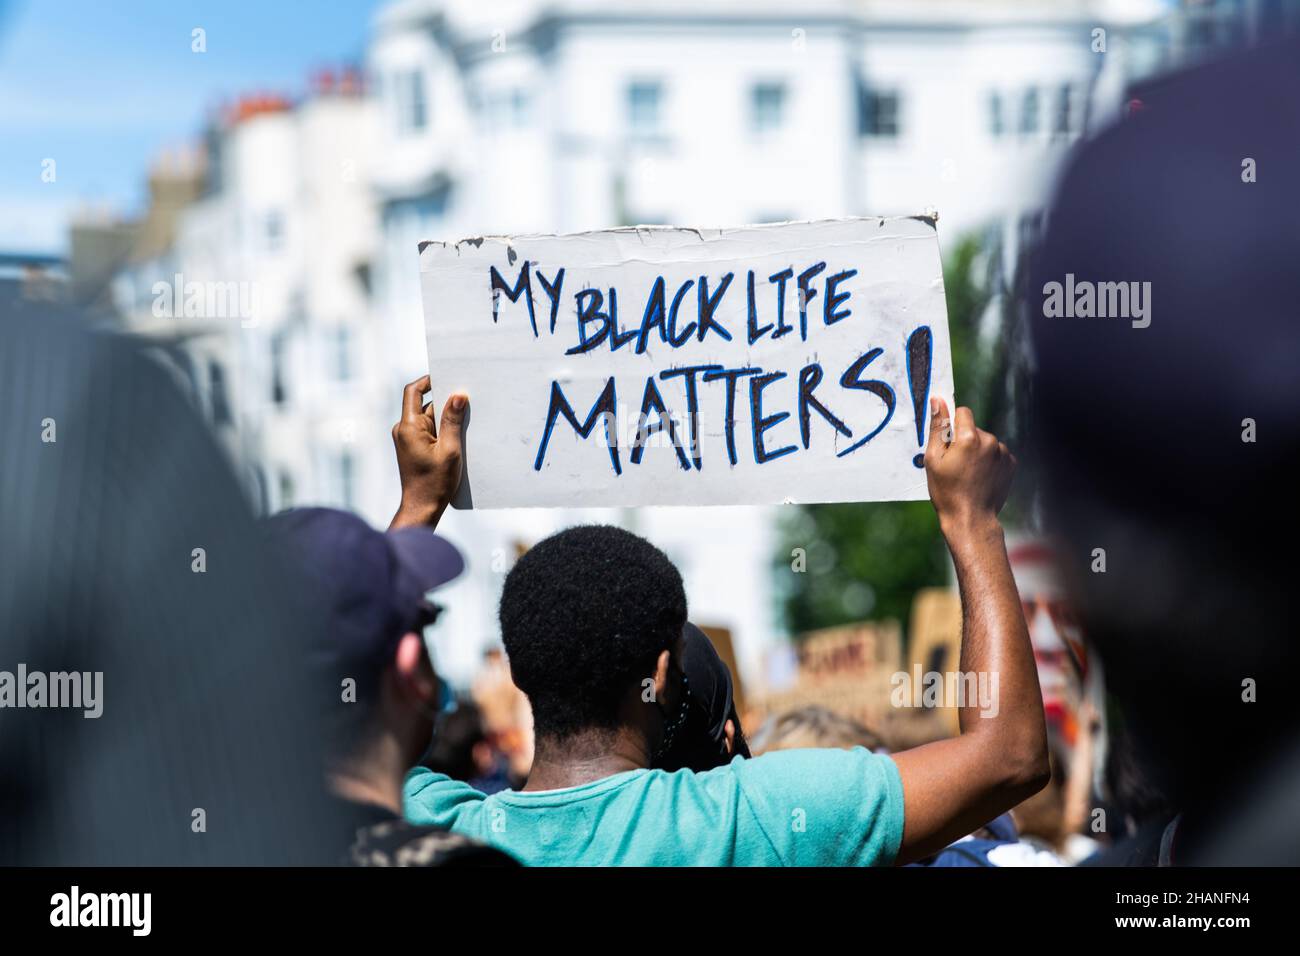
column 522, row 116
column 263, row 300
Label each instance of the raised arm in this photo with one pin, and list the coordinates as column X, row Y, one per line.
column 428, row 457
column 952, row 787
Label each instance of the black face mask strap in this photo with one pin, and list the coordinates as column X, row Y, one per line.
column 673, row 727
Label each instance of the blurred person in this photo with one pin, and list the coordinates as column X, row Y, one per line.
column 373, row 588
column 1138, row 817
column 506, row 716
column 1079, row 840
column 463, row 750
column 592, row 619
column 1170, row 444
column 130, row 555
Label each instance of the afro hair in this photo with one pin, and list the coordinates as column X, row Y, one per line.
column 584, row 616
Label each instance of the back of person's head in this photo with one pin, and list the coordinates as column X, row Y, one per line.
column 372, row 586
column 813, row 726
column 1169, row 450
column 585, row 615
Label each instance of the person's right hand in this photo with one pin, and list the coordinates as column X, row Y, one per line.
column 428, row 456
column 967, row 469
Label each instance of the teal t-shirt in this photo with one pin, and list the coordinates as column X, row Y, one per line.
column 786, row 808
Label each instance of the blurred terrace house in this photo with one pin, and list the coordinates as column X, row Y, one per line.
column 252, row 272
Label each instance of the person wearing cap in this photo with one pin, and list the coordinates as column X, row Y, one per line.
column 711, row 733
column 593, row 620
column 382, row 691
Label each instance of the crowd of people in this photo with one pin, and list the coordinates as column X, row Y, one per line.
column 639, row 757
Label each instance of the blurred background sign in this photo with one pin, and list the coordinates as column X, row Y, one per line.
column 935, row 646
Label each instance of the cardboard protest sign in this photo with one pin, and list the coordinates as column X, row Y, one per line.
column 764, row 364
column 846, row 669
column 935, row 643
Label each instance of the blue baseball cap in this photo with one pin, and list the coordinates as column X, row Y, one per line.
column 372, row 586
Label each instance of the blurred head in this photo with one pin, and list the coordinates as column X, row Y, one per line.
column 592, row 619
column 813, row 726
column 461, row 748
column 377, row 677
column 1169, row 450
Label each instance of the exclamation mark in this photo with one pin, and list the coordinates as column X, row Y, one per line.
column 920, row 348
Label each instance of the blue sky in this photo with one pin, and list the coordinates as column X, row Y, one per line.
column 100, row 86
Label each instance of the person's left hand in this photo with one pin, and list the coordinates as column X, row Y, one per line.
column 428, row 457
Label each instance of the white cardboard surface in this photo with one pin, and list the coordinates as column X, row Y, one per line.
column 511, row 363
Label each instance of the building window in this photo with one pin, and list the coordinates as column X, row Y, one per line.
column 1029, row 111
column 878, row 112
column 1063, row 124
column 767, row 108
column 409, row 104
column 521, row 107
column 217, row 394
column 279, row 393
column 364, row 272
column 997, row 122
column 286, row 490
column 347, row 478
column 341, row 353
column 273, row 231
column 644, row 108
column 506, row 109
column 261, row 494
